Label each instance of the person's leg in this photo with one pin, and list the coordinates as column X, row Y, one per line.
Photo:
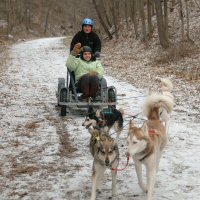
column 83, row 86
column 94, row 86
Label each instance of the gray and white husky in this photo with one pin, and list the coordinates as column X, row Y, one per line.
column 146, row 143
column 105, row 152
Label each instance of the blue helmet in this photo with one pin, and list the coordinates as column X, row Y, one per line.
column 88, row 21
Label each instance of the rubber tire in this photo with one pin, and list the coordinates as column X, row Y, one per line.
column 61, row 84
column 63, row 98
column 63, row 110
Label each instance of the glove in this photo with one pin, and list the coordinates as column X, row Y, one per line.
column 77, row 49
column 97, row 55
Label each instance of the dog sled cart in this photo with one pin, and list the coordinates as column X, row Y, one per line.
column 68, row 95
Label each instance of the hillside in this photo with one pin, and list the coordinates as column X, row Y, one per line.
column 131, row 60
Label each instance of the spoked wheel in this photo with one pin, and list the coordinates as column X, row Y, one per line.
column 112, row 97
column 63, row 98
column 61, row 84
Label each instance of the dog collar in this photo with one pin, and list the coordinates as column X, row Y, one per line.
column 145, row 154
column 153, row 132
column 117, row 169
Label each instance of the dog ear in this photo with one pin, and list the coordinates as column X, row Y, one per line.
column 145, row 129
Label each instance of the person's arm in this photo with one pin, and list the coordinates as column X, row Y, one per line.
column 72, row 62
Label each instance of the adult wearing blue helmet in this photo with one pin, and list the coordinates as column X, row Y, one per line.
column 87, row 37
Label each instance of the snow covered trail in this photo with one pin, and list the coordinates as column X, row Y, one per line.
column 46, row 157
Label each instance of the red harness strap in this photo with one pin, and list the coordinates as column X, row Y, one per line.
column 117, row 169
column 152, row 132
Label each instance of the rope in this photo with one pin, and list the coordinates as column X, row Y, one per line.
column 120, row 169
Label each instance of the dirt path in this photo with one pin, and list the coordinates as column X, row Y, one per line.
column 45, row 156
column 33, row 137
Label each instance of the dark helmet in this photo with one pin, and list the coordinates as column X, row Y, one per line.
column 86, row 49
column 88, row 21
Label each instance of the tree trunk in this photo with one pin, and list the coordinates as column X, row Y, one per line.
column 166, row 18
column 28, row 15
column 101, row 20
column 149, row 9
column 105, row 14
column 142, row 17
column 8, row 8
column 126, row 13
column 114, row 17
column 188, row 22
column 160, row 24
column 181, row 18
column 134, row 9
column 117, row 15
column 47, row 20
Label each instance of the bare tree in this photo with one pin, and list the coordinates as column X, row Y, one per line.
column 187, row 19
column 8, row 8
column 28, row 14
column 49, row 9
column 101, row 2
column 142, row 16
column 181, row 18
column 149, row 10
column 161, row 25
column 166, row 17
column 134, row 10
column 113, row 12
column 101, row 19
column 126, row 13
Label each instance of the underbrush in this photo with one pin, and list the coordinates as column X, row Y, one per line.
column 186, row 55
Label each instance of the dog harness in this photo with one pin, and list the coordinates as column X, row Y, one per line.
column 152, row 132
column 117, row 169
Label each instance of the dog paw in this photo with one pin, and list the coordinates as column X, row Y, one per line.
column 144, row 188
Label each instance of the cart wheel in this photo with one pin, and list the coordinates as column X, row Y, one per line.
column 112, row 97
column 63, row 110
column 63, row 98
column 61, row 83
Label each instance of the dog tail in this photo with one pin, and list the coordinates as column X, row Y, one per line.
column 153, row 104
column 166, row 85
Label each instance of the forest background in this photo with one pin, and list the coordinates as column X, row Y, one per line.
column 173, row 24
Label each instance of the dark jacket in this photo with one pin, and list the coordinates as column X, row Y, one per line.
column 87, row 39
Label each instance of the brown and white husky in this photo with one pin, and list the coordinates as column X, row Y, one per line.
column 146, row 143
